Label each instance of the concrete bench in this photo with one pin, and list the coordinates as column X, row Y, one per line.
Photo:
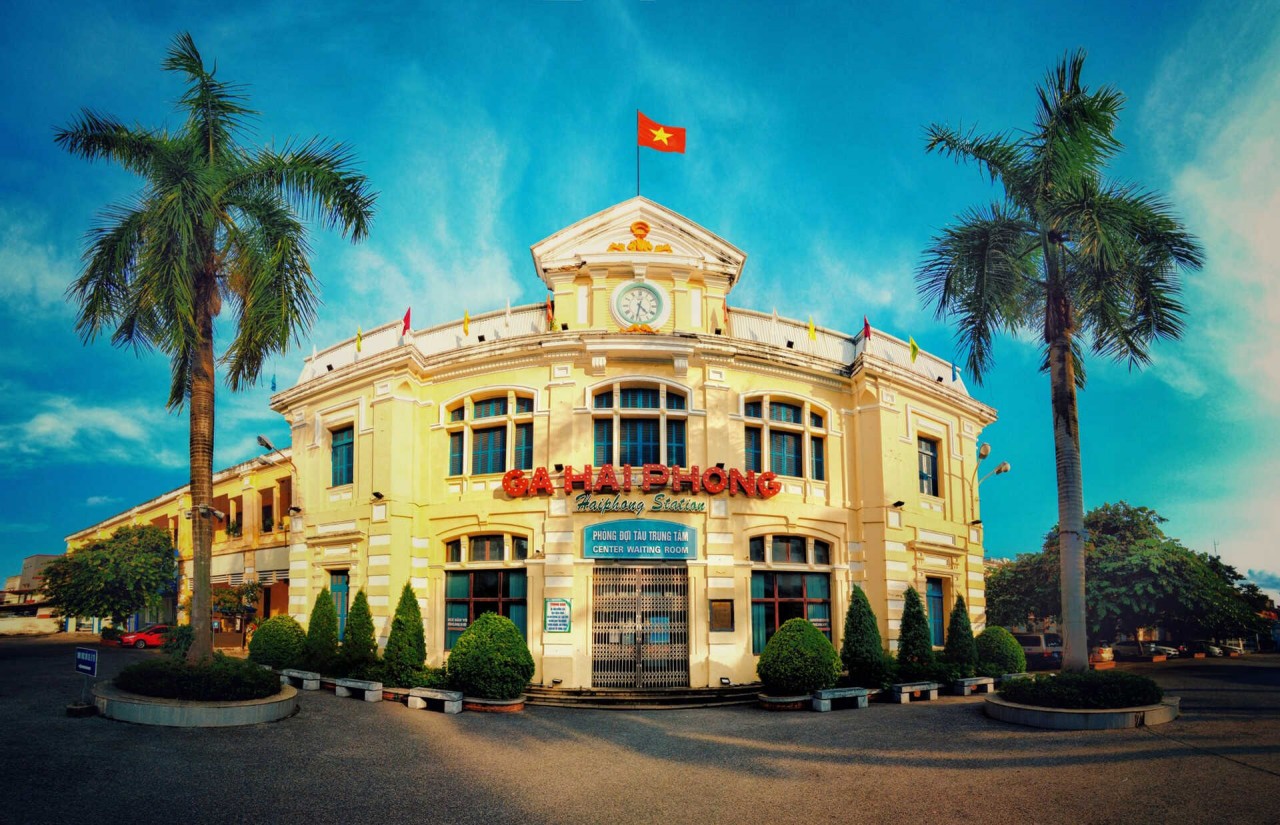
column 848, row 697
column 1009, row 677
column 304, row 679
column 449, row 701
column 904, row 692
column 372, row 691
column 977, row 684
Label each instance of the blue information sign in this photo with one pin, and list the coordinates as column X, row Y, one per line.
column 640, row 538
column 87, row 661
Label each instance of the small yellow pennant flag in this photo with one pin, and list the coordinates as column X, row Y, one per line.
column 915, row 348
column 359, row 339
column 813, row 333
column 466, row 322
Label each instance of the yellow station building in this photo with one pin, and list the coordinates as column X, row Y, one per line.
column 645, row 477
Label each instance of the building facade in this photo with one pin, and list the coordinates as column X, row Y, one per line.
column 646, row 479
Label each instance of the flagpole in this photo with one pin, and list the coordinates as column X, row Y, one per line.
column 637, row 158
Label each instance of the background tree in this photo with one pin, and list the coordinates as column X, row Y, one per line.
column 359, row 649
column 236, row 601
column 1065, row 254
column 915, row 648
column 113, row 577
column 960, row 651
column 406, row 649
column 322, row 634
column 214, row 223
column 861, row 650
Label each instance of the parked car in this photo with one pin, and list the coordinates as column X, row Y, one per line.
column 1041, row 649
column 1205, row 647
column 1131, row 649
column 1231, row 647
column 152, row 636
column 1163, row 649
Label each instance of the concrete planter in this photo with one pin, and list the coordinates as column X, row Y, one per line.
column 1103, row 665
column 123, row 706
column 783, row 702
column 479, row 705
column 1074, row 719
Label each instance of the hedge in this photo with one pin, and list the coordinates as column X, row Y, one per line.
column 915, row 647
column 861, row 650
column 490, row 660
column 279, row 642
column 217, row 679
column 797, row 660
column 999, row 653
column 1089, row 690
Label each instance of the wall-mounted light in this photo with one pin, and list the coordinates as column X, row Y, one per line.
column 720, row 465
column 480, row 338
column 724, row 680
column 898, row 504
column 976, row 522
column 329, row 367
column 295, row 509
column 264, row 443
column 791, row 345
column 555, row 682
column 559, row 468
column 377, row 496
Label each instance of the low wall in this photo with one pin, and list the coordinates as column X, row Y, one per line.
column 28, row 626
column 1070, row 719
column 123, row 706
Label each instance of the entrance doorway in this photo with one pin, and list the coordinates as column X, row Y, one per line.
column 640, row 626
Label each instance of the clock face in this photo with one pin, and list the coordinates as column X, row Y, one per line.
column 639, row 304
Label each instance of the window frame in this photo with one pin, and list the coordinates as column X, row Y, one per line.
column 930, row 476
column 785, row 435
column 511, row 410
column 776, row 601
column 614, row 407
column 349, row 448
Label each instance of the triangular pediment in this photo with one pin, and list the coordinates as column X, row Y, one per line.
column 615, row 236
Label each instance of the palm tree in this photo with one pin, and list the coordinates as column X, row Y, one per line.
column 213, row 223
column 1065, row 254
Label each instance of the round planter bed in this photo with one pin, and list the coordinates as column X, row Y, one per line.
column 123, row 706
column 783, row 702
column 493, row 705
column 1082, row 719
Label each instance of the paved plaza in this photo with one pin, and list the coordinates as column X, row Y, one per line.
column 341, row 760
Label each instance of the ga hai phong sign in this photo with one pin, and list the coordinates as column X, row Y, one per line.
column 609, row 491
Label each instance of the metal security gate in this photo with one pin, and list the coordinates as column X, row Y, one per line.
column 640, row 627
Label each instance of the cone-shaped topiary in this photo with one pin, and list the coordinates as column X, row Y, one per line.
column 359, row 648
column 406, row 649
column 915, row 650
column 798, row 660
column 279, row 642
column 861, row 651
column 961, row 652
column 999, row 653
column 490, row 660
column 322, row 634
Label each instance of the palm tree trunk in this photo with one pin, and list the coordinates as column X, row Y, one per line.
column 1066, row 443
column 201, row 445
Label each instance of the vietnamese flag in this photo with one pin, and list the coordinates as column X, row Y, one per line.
column 656, row 136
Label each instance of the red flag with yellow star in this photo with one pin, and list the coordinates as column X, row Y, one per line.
column 656, row 136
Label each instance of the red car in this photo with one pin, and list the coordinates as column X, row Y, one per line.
column 152, row 636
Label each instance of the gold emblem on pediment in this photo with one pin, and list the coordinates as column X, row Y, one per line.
column 640, row 243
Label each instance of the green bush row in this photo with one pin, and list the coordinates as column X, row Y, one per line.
column 1088, row 690
column 217, row 679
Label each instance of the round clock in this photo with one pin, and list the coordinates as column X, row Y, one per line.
column 640, row 303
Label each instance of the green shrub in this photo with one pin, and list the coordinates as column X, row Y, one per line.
column 178, row 639
column 279, row 642
column 111, row 634
column 797, row 660
column 861, row 650
column 217, row 679
column 1090, row 689
column 322, row 634
column 490, row 660
column 406, row 649
column 915, row 648
column 999, row 653
column 961, row 651
column 359, row 647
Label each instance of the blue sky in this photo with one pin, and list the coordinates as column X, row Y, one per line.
column 488, row 126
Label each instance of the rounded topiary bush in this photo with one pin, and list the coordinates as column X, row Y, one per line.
column 216, row 679
column 999, row 653
column 797, row 660
column 280, row 642
column 1090, row 690
column 490, row 660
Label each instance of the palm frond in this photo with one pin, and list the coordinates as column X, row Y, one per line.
column 1074, row 130
column 977, row 272
column 320, row 181
column 111, row 258
column 215, row 110
column 96, row 136
column 996, row 155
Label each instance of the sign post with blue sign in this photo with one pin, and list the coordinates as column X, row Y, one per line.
column 86, row 663
column 640, row 538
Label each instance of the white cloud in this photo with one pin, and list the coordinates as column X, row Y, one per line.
column 98, row 501
column 66, row 430
column 34, row 273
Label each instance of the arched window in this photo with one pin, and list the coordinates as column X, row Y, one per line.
column 780, row 591
column 640, row 424
column 486, row 588
column 494, row 429
column 785, row 436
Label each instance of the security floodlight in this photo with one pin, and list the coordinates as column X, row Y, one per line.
column 264, row 443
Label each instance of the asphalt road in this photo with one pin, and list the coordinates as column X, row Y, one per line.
column 345, row 761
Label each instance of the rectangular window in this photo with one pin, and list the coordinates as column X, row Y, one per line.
column 639, row 441
column 604, row 400
column 675, row 401
column 675, row 444
column 638, row 398
column 453, row 551
column 754, row 459
column 341, row 452
column 784, row 453
column 485, row 548
column 933, row 602
column 455, row 453
column 788, row 549
column 821, row 552
column 490, row 408
column 777, row 597
column 488, row 450
column 817, row 461
column 815, row 420
column 604, row 441
column 524, row 447
column 786, row 413
column 757, row 548
column 519, row 548
column 458, row 413
column 469, row 595
column 928, row 466
column 751, row 409
column 524, row 405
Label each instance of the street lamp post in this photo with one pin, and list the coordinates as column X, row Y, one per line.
column 974, row 482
